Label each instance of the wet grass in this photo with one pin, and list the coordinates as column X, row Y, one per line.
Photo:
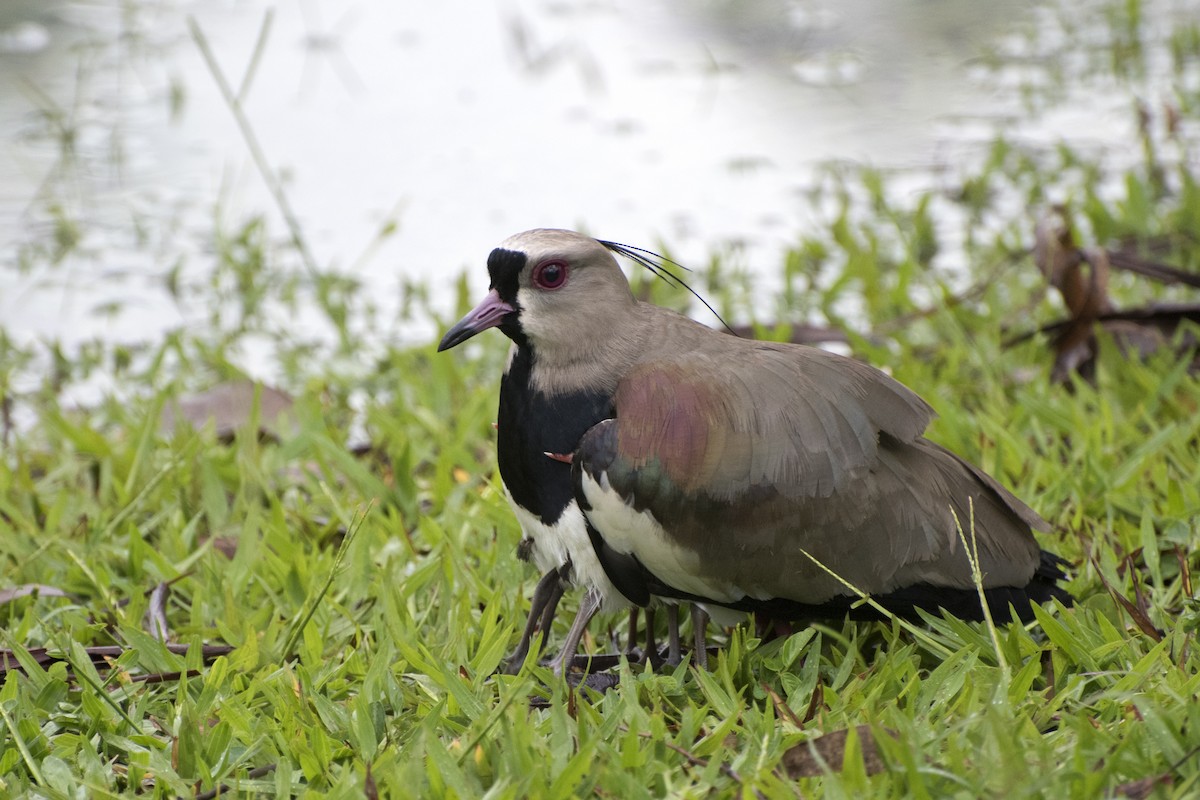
column 320, row 612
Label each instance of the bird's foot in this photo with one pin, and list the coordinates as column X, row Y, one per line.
column 599, row 682
column 593, row 663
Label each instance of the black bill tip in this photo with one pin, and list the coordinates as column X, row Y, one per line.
column 488, row 314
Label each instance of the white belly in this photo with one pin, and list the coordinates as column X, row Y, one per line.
column 639, row 533
column 567, row 539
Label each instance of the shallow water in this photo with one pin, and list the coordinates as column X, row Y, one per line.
column 691, row 125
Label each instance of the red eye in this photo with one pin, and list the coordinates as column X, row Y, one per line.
column 550, row 275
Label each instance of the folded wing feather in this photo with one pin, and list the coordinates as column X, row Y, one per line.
column 753, row 461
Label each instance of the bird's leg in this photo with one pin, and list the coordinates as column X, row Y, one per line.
column 631, row 643
column 546, row 594
column 564, row 575
column 651, row 653
column 674, row 651
column 699, row 640
column 630, row 649
column 587, row 610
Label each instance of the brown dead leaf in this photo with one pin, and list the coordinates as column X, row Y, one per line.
column 1156, row 270
column 156, row 613
column 816, row 702
column 1062, row 261
column 27, row 589
column 229, row 406
column 370, row 790
column 826, row 753
column 225, row 545
column 782, row 709
column 1139, row 332
column 1141, row 789
column 1054, row 248
column 1136, row 614
column 1085, row 293
column 1081, row 277
column 1185, row 570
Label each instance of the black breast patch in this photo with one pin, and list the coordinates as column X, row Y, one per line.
column 529, row 425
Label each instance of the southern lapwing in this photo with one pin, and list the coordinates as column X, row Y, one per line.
column 738, row 474
column 536, row 432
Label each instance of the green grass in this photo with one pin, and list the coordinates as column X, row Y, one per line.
column 369, row 599
column 362, row 599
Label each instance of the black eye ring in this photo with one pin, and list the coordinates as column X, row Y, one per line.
column 550, row 275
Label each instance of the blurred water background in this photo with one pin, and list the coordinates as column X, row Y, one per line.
column 412, row 137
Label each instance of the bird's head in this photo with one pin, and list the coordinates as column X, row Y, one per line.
column 550, row 290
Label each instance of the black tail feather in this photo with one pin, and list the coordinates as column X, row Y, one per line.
column 905, row 603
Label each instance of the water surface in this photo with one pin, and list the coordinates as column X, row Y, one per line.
column 695, row 126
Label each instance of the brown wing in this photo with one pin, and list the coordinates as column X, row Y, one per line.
column 745, row 463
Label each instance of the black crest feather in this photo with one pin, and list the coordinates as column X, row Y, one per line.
column 657, row 264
